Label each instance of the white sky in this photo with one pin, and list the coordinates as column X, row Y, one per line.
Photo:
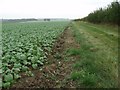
column 49, row 8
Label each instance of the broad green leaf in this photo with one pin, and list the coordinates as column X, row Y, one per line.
column 16, row 76
column 8, row 78
column 6, row 85
column 17, row 65
column 34, row 66
column 24, row 68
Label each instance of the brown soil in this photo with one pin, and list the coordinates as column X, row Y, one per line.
column 57, row 72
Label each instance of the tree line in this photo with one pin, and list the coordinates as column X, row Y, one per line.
column 110, row 14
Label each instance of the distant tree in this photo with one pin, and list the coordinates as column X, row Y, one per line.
column 46, row 19
column 111, row 14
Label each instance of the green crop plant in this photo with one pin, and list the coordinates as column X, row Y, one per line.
column 26, row 45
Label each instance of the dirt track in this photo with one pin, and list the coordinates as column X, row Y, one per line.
column 56, row 73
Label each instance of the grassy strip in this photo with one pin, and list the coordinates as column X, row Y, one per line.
column 95, row 68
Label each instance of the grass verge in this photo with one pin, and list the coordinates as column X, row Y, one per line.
column 97, row 66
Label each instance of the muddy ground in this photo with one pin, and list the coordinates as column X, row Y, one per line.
column 56, row 73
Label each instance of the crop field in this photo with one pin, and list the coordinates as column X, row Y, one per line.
column 59, row 44
column 26, row 46
column 59, row 54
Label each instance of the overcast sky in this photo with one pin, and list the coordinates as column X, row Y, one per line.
column 49, row 8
